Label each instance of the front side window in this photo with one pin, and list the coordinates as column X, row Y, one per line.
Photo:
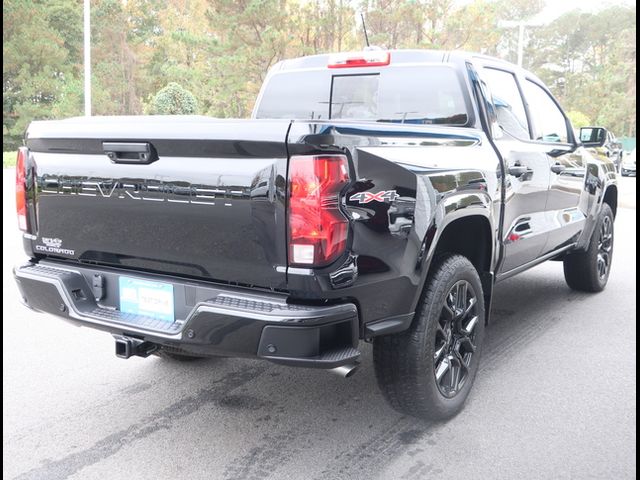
column 549, row 122
column 508, row 102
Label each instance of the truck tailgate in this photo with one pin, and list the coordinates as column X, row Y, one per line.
column 211, row 204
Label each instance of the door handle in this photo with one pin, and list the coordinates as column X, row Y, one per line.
column 519, row 170
column 558, row 168
column 130, row 152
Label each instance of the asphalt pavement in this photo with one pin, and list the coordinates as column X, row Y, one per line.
column 555, row 397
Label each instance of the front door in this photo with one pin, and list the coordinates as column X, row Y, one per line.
column 527, row 174
column 565, row 215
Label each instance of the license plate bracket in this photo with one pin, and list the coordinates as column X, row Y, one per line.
column 147, row 298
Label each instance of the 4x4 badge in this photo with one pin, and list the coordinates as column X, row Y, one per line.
column 366, row 197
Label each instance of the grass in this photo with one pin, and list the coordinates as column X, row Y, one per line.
column 8, row 159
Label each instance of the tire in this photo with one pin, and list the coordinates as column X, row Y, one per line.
column 589, row 271
column 406, row 363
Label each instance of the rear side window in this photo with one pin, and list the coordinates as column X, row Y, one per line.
column 417, row 95
column 508, row 102
column 296, row 95
column 549, row 122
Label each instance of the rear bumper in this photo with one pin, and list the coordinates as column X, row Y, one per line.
column 210, row 320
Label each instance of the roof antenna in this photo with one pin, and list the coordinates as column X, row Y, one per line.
column 364, row 27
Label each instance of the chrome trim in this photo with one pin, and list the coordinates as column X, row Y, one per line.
column 294, row 270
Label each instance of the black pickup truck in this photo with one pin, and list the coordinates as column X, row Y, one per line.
column 374, row 196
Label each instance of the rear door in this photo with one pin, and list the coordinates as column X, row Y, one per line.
column 208, row 202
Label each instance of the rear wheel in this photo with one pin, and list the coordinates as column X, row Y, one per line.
column 428, row 370
column 588, row 271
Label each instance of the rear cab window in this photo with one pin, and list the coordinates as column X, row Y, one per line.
column 416, row 94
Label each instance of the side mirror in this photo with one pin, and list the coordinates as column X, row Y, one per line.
column 593, row 136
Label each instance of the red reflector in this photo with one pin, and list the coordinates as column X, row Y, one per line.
column 21, row 188
column 374, row 58
column 317, row 228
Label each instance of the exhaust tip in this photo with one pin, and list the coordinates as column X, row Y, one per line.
column 346, row 371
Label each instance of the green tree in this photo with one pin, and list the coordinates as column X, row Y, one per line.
column 36, row 64
column 252, row 36
column 221, row 50
column 173, row 100
column 588, row 60
column 578, row 119
column 114, row 62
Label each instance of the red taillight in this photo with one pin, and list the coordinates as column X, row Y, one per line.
column 21, row 188
column 317, row 228
column 373, row 58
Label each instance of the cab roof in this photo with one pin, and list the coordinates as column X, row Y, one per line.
column 403, row 56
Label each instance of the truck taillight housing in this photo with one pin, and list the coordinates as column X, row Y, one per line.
column 317, row 227
column 21, row 188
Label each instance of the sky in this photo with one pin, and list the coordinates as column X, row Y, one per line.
column 555, row 8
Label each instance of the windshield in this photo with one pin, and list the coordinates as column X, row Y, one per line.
column 417, row 95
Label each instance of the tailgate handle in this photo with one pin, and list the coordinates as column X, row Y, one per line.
column 130, row 152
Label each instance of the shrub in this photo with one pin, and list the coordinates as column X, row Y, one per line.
column 173, row 100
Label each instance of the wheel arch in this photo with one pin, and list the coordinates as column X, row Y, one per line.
column 472, row 235
column 611, row 198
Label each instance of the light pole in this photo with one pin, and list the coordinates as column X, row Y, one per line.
column 520, row 43
column 520, row 24
column 87, row 58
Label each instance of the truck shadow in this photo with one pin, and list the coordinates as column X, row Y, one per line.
column 251, row 419
column 296, row 407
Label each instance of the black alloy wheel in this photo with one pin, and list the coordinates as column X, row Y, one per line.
column 589, row 270
column 428, row 370
column 455, row 335
column 605, row 247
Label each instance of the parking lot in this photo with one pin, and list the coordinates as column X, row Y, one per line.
column 555, row 397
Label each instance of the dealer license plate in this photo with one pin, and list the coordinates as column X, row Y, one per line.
column 143, row 297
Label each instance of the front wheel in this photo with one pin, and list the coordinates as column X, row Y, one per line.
column 588, row 271
column 428, row 370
